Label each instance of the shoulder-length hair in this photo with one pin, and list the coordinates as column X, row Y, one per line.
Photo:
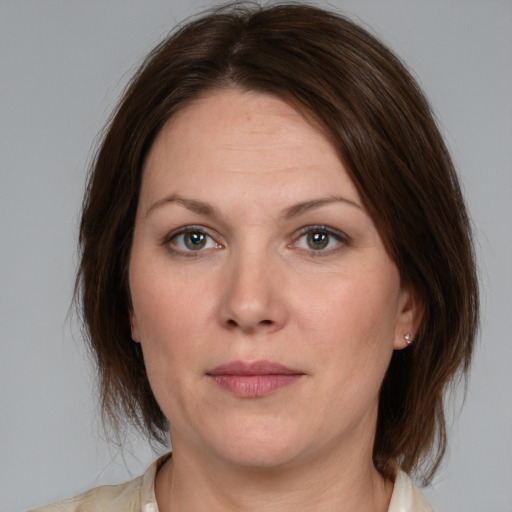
column 374, row 113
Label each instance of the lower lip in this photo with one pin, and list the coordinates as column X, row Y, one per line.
column 252, row 386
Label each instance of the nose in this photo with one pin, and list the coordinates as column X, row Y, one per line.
column 253, row 298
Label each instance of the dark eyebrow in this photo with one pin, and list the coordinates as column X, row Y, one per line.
column 191, row 204
column 292, row 211
column 300, row 208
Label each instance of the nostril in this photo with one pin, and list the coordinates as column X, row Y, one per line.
column 233, row 323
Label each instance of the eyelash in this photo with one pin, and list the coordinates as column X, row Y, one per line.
column 170, row 239
column 339, row 236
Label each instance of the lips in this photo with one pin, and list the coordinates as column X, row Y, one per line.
column 256, row 379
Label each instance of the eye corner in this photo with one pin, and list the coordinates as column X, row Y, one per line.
column 190, row 241
column 319, row 240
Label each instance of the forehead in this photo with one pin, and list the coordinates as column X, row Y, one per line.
column 245, row 138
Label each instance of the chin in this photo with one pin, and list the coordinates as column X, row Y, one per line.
column 259, row 457
column 259, row 445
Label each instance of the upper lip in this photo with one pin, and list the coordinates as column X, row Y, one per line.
column 253, row 368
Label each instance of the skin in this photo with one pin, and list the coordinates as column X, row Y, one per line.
column 256, row 179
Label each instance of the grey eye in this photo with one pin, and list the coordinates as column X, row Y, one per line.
column 320, row 239
column 317, row 240
column 194, row 240
column 191, row 239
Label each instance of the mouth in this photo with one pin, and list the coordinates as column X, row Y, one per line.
column 256, row 379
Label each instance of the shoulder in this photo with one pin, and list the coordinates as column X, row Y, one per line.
column 124, row 497
column 130, row 496
column 407, row 497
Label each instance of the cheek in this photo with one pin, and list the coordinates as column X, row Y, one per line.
column 161, row 320
column 350, row 341
column 350, row 308
column 351, row 327
column 165, row 304
column 169, row 321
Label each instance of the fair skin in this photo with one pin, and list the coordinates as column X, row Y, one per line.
column 267, row 308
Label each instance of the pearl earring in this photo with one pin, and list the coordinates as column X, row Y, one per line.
column 408, row 339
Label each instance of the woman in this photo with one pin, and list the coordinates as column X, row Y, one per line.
column 277, row 263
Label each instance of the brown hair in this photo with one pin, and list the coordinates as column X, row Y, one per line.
column 373, row 111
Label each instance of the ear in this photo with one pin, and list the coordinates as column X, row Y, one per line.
column 134, row 325
column 409, row 315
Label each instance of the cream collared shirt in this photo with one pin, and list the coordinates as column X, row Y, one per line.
column 138, row 495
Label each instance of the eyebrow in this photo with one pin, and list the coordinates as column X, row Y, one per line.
column 298, row 209
column 295, row 210
column 191, row 204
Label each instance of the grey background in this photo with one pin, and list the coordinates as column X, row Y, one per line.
column 62, row 66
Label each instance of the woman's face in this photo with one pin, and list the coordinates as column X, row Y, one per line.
column 265, row 302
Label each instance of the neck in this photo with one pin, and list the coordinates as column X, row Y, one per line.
column 331, row 482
